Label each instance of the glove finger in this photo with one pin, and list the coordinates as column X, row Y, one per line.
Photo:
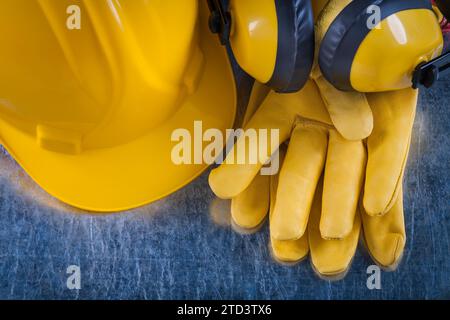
column 343, row 180
column 331, row 259
column 285, row 251
column 388, row 148
column 349, row 111
column 308, row 104
column 290, row 251
column 250, row 207
column 385, row 236
column 237, row 172
column 301, row 170
column 258, row 95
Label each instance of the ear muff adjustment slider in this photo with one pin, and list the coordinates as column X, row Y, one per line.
column 427, row 73
column 220, row 21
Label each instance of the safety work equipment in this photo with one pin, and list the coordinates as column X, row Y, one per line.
column 374, row 46
column 355, row 56
column 384, row 235
column 272, row 40
column 332, row 181
column 89, row 112
column 361, row 46
column 365, row 46
column 304, row 215
column 384, row 238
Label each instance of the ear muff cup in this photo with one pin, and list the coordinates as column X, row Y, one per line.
column 348, row 30
column 295, row 53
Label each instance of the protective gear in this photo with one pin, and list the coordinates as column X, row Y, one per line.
column 360, row 41
column 89, row 112
column 355, row 55
column 272, row 40
column 326, row 217
column 318, row 203
column 351, row 56
column 304, row 215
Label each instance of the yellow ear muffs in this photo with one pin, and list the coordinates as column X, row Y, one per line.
column 273, row 41
column 375, row 45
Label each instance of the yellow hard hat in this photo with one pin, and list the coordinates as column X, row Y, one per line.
column 91, row 93
column 376, row 45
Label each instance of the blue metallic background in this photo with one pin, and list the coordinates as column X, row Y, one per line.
column 183, row 247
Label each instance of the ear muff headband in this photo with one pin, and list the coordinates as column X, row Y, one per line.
column 295, row 53
column 346, row 33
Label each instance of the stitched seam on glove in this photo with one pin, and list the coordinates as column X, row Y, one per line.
column 305, row 122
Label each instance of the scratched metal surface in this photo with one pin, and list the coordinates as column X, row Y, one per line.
column 183, row 247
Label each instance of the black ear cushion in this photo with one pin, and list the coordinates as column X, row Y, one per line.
column 346, row 33
column 295, row 53
column 444, row 7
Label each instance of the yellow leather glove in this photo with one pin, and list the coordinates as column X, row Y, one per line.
column 314, row 142
column 316, row 148
column 381, row 213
